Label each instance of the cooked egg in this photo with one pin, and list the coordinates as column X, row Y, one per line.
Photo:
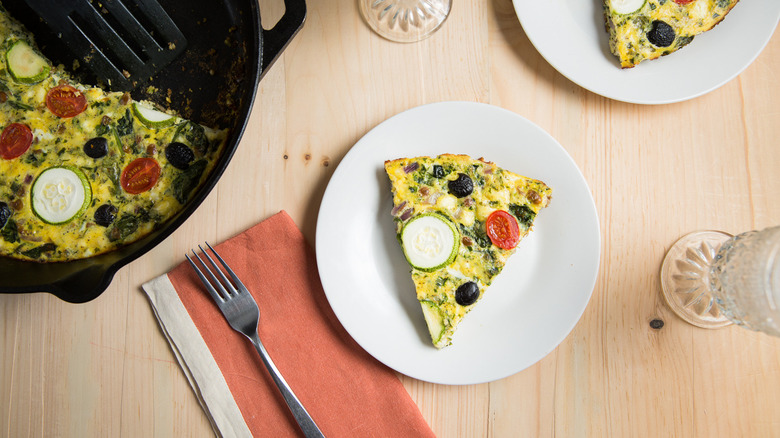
column 93, row 198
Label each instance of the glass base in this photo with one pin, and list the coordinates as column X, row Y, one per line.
column 685, row 278
column 405, row 21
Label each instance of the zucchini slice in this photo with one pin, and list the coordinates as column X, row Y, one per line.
column 25, row 64
column 59, row 194
column 623, row 7
column 434, row 320
column 152, row 118
column 430, row 241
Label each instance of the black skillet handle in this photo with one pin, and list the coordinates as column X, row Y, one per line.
column 276, row 39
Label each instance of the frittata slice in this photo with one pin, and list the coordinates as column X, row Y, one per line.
column 648, row 29
column 458, row 221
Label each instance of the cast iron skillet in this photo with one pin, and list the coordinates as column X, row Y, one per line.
column 214, row 82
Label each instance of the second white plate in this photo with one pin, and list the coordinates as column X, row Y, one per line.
column 527, row 311
column 570, row 35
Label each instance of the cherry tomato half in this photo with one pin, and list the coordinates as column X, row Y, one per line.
column 682, row 2
column 65, row 101
column 140, row 175
column 503, row 230
column 15, row 140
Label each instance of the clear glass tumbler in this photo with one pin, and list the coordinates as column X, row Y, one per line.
column 712, row 279
column 405, row 21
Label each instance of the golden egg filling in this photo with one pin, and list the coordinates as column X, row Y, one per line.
column 458, row 220
column 84, row 171
column 648, row 29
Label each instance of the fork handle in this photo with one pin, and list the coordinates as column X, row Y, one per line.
column 308, row 426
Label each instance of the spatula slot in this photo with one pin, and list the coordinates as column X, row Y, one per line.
column 118, row 41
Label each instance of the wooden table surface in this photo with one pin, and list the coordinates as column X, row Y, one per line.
column 656, row 172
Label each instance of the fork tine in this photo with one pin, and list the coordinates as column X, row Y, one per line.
column 219, row 285
column 225, row 282
column 233, row 275
column 214, row 294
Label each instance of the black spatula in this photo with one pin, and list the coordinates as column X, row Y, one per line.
column 118, row 41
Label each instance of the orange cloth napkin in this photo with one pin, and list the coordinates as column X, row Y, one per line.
column 346, row 391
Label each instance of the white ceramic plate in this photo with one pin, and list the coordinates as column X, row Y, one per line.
column 570, row 35
column 527, row 311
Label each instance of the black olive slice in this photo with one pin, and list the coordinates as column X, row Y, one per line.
column 179, row 155
column 661, row 34
column 96, row 147
column 467, row 293
column 105, row 215
column 461, row 187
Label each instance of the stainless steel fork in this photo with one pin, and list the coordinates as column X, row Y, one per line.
column 241, row 311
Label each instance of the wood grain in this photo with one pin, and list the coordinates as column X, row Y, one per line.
column 656, row 172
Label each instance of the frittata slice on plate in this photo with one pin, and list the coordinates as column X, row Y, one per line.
column 458, row 220
column 648, row 29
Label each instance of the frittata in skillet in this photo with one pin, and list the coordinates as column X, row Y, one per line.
column 458, row 220
column 83, row 171
column 648, row 29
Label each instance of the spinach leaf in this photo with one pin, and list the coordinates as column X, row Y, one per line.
column 36, row 252
column 523, row 213
column 123, row 227
column 19, row 105
column 421, row 177
column 149, row 215
column 684, row 40
column 193, row 134
column 111, row 169
column 186, row 181
column 125, row 125
column 477, row 233
column 490, row 263
column 10, row 232
column 32, row 159
column 101, row 130
column 5, row 214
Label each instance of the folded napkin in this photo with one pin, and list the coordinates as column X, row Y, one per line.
column 346, row 391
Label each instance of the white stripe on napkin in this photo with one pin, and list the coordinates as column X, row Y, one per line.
column 195, row 359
